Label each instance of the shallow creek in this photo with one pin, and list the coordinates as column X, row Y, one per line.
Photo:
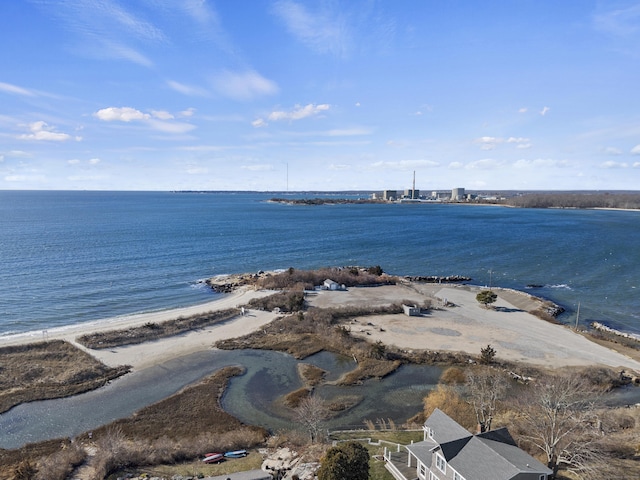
column 251, row 397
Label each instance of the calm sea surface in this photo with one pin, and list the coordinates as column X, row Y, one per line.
column 71, row 257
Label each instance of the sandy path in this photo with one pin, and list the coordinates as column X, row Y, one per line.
column 153, row 353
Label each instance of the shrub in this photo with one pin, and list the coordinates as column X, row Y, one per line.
column 453, row 376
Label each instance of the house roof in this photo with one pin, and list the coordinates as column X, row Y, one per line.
column 491, row 454
column 444, row 428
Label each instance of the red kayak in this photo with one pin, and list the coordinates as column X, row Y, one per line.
column 213, row 457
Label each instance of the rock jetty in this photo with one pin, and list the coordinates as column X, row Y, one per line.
column 438, row 279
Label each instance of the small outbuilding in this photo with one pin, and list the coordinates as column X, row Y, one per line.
column 411, row 310
column 331, row 285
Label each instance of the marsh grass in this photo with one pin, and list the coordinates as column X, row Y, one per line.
column 153, row 331
column 45, row 370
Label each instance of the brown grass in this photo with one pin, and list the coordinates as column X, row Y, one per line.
column 311, row 375
column 46, row 370
column 153, row 331
column 293, row 399
column 369, row 368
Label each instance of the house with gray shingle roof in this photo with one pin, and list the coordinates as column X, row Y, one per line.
column 450, row 452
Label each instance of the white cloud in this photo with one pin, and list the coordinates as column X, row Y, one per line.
column 159, row 120
column 170, row 127
column 14, row 89
column 456, row 165
column 619, row 22
column 636, row 150
column 243, row 86
column 41, row 131
column 162, row 115
column 324, row 31
column 405, row 164
column 73, row 161
column 298, row 112
column 612, row 164
column 612, row 151
column 339, row 167
column 257, row 168
column 544, row 111
column 189, row 112
column 484, row 164
column 636, row 165
column 197, row 170
column 488, row 143
column 523, row 110
column 121, row 114
column 541, row 163
column 94, row 161
column 189, row 90
column 348, row 132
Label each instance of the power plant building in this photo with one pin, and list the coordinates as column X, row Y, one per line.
column 457, row 194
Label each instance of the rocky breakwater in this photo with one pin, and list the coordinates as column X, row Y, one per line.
column 437, row 279
column 229, row 283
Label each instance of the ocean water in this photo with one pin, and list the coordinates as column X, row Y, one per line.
column 72, row 257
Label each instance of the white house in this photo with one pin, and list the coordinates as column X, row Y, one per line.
column 450, row 452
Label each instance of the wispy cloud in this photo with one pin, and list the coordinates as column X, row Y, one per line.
column 189, row 90
column 405, row 164
column 121, row 114
column 541, row 163
column 620, row 21
column 16, row 90
column 243, row 85
column 106, row 29
column 40, row 131
column 635, row 150
column 159, row 120
column 323, row 31
column 544, row 111
column 612, row 164
column 298, row 112
column 490, row 143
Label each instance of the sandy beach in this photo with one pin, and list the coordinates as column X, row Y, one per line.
column 462, row 325
column 159, row 351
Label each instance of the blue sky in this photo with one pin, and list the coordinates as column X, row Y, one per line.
column 319, row 95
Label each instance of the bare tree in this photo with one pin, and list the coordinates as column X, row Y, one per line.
column 558, row 417
column 311, row 413
column 486, row 387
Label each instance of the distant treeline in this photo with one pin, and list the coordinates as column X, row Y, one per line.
column 575, row 200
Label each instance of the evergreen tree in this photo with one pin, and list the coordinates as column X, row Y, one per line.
column 348, row 461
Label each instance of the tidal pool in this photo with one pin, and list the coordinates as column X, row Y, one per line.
column 252, row 397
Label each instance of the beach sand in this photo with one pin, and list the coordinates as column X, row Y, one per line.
column 159, row 351
column 515, row 334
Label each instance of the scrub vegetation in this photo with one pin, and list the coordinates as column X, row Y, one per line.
column 50, row 369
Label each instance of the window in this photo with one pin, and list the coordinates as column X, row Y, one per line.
column 423, row 470
column 543, row 477
column 432, row 476
column 441, row 463
column 430, row 432
column 457, row 476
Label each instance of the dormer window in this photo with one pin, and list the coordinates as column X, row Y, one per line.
column 441, row 463
column 430, row 432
